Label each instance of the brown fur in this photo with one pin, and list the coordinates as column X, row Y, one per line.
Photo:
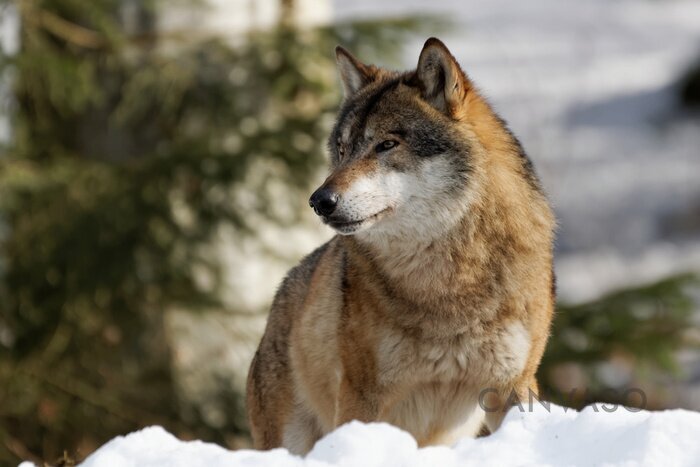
column 412, row 330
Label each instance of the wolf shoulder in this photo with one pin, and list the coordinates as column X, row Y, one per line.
column 305, row 279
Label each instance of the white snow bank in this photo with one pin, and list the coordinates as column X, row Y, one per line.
column 556, row 437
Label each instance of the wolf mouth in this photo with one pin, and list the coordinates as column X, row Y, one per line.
column 349, row 227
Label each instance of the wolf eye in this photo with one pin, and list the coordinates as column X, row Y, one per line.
column 386, row 145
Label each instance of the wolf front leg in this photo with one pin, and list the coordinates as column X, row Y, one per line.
column 498, row 402
column 359, row 392
column 356, row 400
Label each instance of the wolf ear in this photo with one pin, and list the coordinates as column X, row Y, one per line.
column 441, row 81
column 354, row 74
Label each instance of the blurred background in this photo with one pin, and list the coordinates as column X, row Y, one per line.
column 156, row 158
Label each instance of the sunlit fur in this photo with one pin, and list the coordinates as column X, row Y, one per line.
column 439, row 285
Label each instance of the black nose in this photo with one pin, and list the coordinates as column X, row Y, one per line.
column 324, row 201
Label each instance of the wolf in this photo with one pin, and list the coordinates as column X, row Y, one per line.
column 431, row 307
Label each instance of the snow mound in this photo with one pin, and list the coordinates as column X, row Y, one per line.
column 533, row 436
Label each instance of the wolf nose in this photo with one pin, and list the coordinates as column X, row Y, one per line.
column 324, row 201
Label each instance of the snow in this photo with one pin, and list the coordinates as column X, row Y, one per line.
column 601, row 435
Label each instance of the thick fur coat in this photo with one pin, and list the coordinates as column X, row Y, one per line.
column 431, row 308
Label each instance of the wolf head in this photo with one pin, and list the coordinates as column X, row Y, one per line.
column 402, row 149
